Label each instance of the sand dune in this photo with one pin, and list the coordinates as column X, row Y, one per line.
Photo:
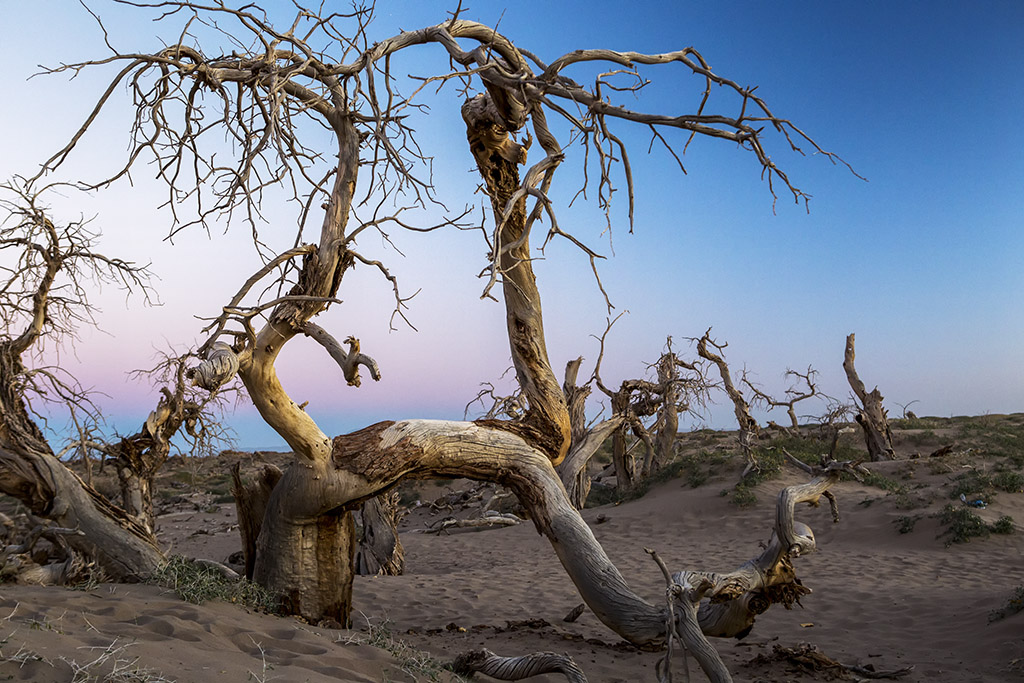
column 880, row 598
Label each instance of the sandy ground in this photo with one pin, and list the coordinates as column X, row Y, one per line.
column 880, row 598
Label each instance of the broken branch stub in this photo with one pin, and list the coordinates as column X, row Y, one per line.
column 219, row 368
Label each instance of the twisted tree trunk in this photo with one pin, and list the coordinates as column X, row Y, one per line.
column 380, row 549
column 30, row 472
column 872, row 417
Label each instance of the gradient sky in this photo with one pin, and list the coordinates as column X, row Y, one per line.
column 923, row 261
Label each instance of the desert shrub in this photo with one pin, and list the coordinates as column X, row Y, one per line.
column 905, row 524
column 769, row 466
column 1002, row 437
column 694, row 469
column 809, row 449
column 961, row 525
column 602, row 495
column 973, row 484
column 743, row 496
column 1011, row 482
column 416, row 663
column 883, row 482
column 904, row 501
column 1003, row 525
column 923, row 437
column 1014, row 605
column 196, row 583
column 928, row 423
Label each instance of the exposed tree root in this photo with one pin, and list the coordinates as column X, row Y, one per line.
column 807, row 658
column 492, row 520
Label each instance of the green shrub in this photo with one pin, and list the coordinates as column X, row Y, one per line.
column 1011, row 482
column 197, row 583
column 883, row 482
column 961, row 525
column 905, row 524
column 1003, row 525
column 743, row 496
column 1014, row 605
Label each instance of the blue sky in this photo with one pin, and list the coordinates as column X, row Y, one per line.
column 923, row 261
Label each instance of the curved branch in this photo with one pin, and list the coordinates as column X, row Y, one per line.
column 348, row 362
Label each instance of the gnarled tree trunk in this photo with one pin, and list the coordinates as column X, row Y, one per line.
column 871, row 416
column 380, row 549
column 749, row 429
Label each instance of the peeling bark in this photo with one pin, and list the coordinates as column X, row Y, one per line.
column 546, row 423
column 251, row 499
column 380, row 550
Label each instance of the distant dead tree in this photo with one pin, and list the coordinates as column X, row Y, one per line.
column 184, row 411
column 802, row 387
column 44, row 298
column 749, row 429
column 871, row 416
column 637, row 400
column 586, row 437
column 277, row 94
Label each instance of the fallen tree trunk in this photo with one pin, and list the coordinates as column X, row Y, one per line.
column 122, row 548
column 375, row 458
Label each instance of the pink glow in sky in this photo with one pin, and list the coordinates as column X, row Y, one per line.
column 923, row 262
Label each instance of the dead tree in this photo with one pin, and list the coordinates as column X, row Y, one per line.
column 794, row 394
column 630, row 413
column 183, row 411
column 676, row 394
column 44, row 298
column 871, row 416
column 749, row 429
column 262, row 95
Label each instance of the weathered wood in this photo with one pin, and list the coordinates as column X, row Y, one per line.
column 749, row 429
column 123, row 549
column 250, row 506
column 517, row 668
column 573, row 470
column 494, row 520
column 546, row 423
column 380, row 550
column 871, row 416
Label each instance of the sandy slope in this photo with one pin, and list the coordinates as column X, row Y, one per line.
column 881, row 598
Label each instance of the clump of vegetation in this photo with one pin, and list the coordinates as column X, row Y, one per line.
column 1003, row 525
column 905, row 524
column 1009, row 481
column 694, row 469
column 927, row 423
column 976, row 484
column 769, row 466
column 809, row 449
column 883, row 482
column 1014, row 605
column 743, row 496
column 198, row 583
column 962, row 525
column 926, row 436
column 413, row 662
column 1000, row 437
